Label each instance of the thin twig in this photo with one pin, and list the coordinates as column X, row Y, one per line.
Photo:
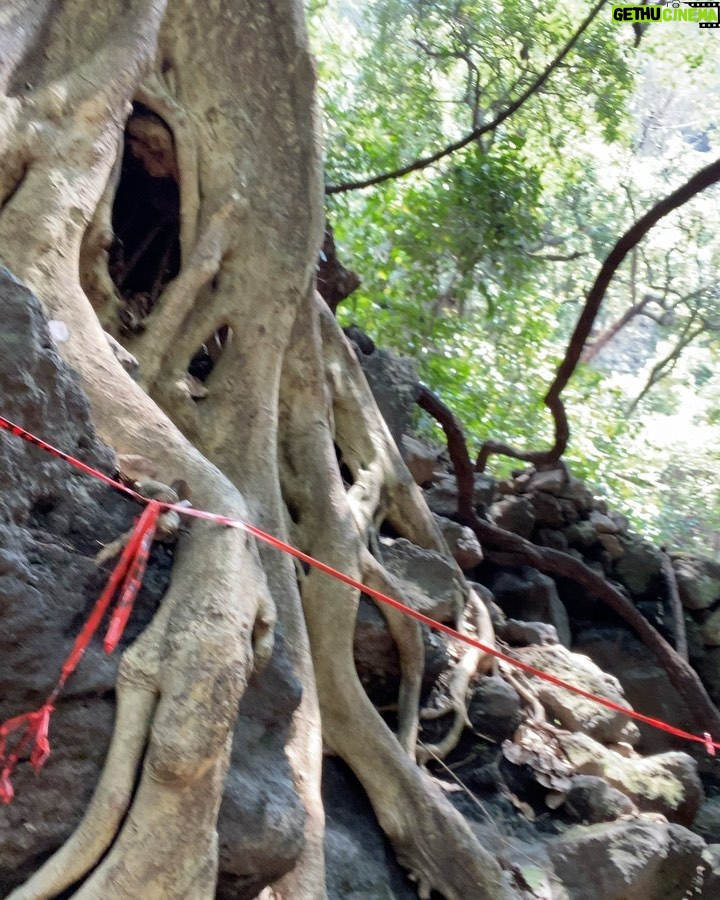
column 476, row 133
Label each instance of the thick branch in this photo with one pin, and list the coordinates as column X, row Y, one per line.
column 699, row 182
column 476, row 133
column 518, row 551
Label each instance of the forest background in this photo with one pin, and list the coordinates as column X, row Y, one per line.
column 477, row 266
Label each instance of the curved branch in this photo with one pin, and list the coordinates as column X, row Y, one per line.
column 509, row 111
column 518, row 551
column 699, row 182
column 664, row 367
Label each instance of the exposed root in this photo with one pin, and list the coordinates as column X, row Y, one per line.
column 462, row 674
column 94, row 255
column 169, row 321
column 407, row 634
column 109, row 803
column 432, row 840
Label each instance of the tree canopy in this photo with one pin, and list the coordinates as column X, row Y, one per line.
column 477, row 265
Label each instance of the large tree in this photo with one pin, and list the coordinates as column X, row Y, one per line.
column 204, row 113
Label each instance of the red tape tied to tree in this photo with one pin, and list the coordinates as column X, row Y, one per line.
column 30, row 730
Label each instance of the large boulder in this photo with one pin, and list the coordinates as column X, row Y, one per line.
column 637, row 860
column 526, row 594
column 573, row 711
column 665, row 783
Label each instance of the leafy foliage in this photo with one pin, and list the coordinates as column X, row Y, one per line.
column 478, row 265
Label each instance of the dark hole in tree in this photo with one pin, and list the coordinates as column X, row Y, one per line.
column 345, row 473
column 209, row 352
column 145, row 254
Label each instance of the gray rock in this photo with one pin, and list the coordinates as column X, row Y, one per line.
column 707, row 820
column 393, row 381
column 552, row 481
column 494, row 709
column 637, row 860
column 645, row 683
column 576, row 491
column 710, row 630
column 547, row 509
column 514, row 514
column 665, row 783
column 640, row 567
column 527, row 594
column 553, row 538
column 431, row 580
column 582, row 534
column 573, row 711
column 442, row 496
column 358, row 863
column 603, row 523
column 423, row 461
column 524, row 634
column 51, row 520
column 612, row 546
column 698, row 581
column 462, row 541
column 591, row 800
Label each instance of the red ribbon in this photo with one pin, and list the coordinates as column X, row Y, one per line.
column 128, row 574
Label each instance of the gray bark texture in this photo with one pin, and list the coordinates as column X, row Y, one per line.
column 160, row 182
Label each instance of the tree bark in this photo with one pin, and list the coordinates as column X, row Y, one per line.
column 223, row 115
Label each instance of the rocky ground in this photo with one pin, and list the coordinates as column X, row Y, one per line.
column 581, row 802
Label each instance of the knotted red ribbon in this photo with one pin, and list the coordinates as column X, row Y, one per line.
column 31, row 729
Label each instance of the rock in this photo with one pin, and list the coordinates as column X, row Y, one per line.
column 524, row 593
column 580, row 496
column 494, row 708
column 581, row 534
column 430, row 579
column 621, row 522
column 573, row 711
column 51, row 520
column 547, row 509
column 707, row 820
column 551, row 537
column 506, row 486
column 514, row 514
column 358, row 863
column 393, row 381
column 710, row 630
column 602, row 523
column 640, row 568
column 569, row 511
column 637, row 860
column 645, row 683
column 665, row 783
column 698, row 581
column 462, row 541
column 523, row 634
column 591, row 800
column 442, row 496
column 419, row 458
column 552, row 481
column 612, row 546
column 261, row 817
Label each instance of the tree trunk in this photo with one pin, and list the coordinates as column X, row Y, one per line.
column 207, row 109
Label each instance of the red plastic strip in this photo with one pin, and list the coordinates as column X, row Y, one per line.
column 710, row 744
column 133, row 579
